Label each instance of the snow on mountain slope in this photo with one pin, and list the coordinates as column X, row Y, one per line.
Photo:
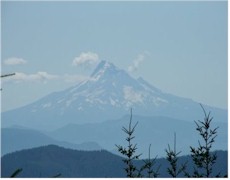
column 109, row 93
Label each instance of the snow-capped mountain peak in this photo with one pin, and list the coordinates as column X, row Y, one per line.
column 104, row 68
column 109, row 93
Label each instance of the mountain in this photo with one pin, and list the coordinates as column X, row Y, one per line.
column 157, row 130
column 109, row 93
column 15, row 139
column 51, row 160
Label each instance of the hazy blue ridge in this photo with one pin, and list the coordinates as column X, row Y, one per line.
column 14, row 139
column 155, row 130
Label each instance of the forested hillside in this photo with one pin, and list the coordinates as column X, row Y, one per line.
column 51, row 160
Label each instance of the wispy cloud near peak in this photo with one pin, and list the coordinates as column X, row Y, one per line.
column 86, row 59
column 136, row 62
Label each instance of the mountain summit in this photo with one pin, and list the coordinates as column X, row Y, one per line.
column 109, row 93
column 104, row 67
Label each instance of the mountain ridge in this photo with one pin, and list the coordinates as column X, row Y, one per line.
column 15, row 139
column 148, row 131
column 47, row 161
column 110, row 92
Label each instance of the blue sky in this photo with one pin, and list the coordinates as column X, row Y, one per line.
column 179, row 47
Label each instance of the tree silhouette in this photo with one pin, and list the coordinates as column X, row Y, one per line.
column 6, row 75
column 129, row 151
column 172, row 158
column 202, row 158
column 148, row 165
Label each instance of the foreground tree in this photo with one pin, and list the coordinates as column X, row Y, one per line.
column 130, row 150
column 201, row 156
column 172, row 158
column 148, row 165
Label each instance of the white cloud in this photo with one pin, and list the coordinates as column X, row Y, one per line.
column 14, row 61
column 131, row 96
column 44, row 77
column 37, row 77
column 136, row 63
column 86, row 59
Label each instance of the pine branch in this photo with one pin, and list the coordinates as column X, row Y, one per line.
column 15, row 173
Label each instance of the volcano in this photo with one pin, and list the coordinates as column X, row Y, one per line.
column 109, row 93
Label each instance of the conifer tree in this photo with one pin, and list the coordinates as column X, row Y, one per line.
column 129, row 151
column 202, row 156
column 148, row 165
column 172, row 158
